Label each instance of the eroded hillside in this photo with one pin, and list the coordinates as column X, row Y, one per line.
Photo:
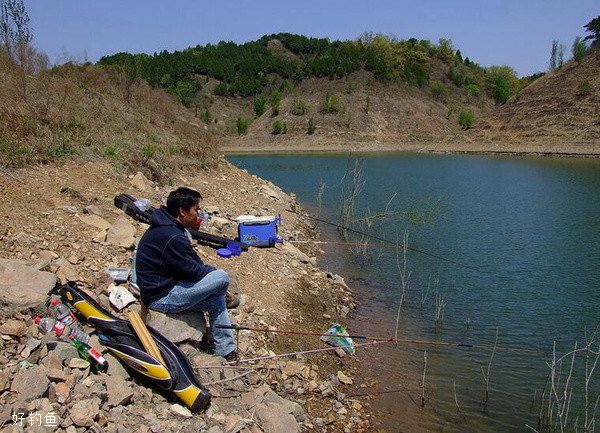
column 558, row 113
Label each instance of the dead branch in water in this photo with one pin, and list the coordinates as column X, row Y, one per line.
column 404, row 279
column 486, row 375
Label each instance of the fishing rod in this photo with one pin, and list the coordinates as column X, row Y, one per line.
column 315, row 334
column 388, row 339
column 350, row 244
column 387, row 241
column 303, row 352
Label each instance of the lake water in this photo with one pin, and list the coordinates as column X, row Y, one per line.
column 514, row 245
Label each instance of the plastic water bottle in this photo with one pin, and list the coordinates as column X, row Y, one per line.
column 62, row 331
column 91, row 355
column 62, row 312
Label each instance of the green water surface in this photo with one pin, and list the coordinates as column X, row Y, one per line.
column 515, row 245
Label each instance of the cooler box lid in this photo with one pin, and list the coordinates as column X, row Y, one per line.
column 255, row 219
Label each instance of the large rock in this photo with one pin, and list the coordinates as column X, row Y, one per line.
column 66, row 271
column 30, row 383
column 84, row 412
column 186, row 326
column 265, row 396
column 22, row 286
column 121, row 233
column 220, row 223
column 295, row 252
column 115, row 368
column 119, row 391
column 141, row 182
column 13, row 327
column 273, row 419
column 95, row 221
column 273, row 191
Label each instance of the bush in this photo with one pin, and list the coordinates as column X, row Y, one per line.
column 184, row 91
column 312, row 126
column 331, row 104
column 367, row 106
column 473, row 90
column 500, row 89
column 466, row 119
column 275, row 101
column 206, row 116
column 456, row 77
column 221, row 89
column 148, row 150
column 13, row 154
column 242, row 125
column 279, row 127
column 584, row 88
column 260, row 105
column 298, row 107
column 439, row 91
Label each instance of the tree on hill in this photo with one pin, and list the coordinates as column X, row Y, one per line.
column 578, row 49
column 16, row 36
column 556, row 55
column 502, row 83
column 14, row 26
column 593, row 27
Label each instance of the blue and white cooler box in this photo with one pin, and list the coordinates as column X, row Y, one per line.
column 258, row 231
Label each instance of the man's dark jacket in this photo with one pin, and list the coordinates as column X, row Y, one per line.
column 165, row 256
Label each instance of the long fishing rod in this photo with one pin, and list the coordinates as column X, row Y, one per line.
column 302, row 352
column 350, row 244
column 315, row 334
column 386, row 339
column 387, row 241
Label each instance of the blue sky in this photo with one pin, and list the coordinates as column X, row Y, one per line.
column 518, row 33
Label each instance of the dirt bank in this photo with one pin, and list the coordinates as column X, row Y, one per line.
column 455, row 144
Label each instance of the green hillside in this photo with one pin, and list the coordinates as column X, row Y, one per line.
column 249, row 69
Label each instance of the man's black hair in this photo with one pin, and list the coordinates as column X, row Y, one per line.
column 182, row 197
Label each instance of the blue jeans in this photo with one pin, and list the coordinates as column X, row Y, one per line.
column 208, row 294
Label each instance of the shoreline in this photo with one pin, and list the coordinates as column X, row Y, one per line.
column 589, row 151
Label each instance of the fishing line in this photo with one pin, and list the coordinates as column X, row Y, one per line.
column 350, row 244
column 386, row 241
column 387, row 339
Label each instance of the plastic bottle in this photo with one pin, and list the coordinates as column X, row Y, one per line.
column 91, row 355
column 62, row 331
column 61, row 312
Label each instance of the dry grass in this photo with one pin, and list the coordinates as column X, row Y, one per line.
column 82, row 111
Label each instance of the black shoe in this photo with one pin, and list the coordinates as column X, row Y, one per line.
column 232, row 356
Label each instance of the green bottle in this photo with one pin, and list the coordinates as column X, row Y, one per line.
column 91, row 355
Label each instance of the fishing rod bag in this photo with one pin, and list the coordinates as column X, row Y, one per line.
column 121, row 340
column 127, row 204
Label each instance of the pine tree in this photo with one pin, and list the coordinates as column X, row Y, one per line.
column 593, row 27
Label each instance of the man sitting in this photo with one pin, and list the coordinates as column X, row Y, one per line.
column 170, row 275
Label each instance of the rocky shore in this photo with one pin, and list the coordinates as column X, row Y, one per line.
column 58, row 223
